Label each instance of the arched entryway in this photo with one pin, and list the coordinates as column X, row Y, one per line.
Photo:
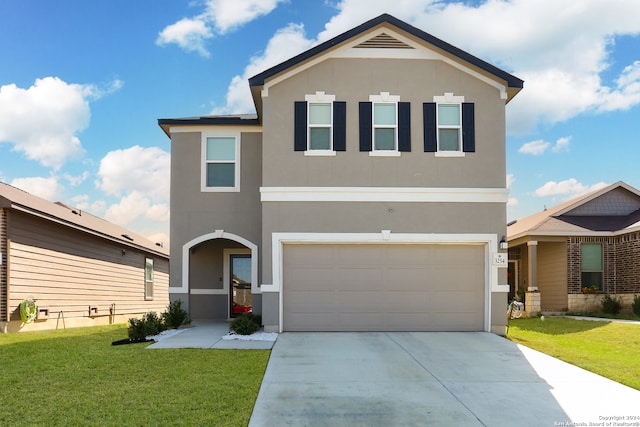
column 221, row 273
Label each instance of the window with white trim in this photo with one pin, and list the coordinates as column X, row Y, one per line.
column 148, row 278
column 384, row 125
column 449, row 126
column 319, row 125
column 449, row 122
column 320, row 122
column 220, row 163
column 385, row 122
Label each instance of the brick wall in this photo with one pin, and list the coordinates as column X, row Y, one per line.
column 621, row 269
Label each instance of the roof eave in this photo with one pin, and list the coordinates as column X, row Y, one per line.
column 62, row 221
column 167, row 124
column 513, row 83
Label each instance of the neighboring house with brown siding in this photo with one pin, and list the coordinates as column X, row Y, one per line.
column 81, row 270
column 367, row 193
column 566, row 257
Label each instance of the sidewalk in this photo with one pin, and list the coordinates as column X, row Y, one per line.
column 209, row 334
column 602, row 319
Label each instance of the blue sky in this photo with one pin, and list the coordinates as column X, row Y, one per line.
column 82, row 85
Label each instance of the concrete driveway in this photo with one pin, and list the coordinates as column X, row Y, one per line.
column 429, row 378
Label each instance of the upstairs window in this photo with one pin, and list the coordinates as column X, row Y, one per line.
column 220, row 169
column 449, row 118
column 320, row 125
column 385, row 128
column 148, row 278
column 449, row 126
column 320, row 121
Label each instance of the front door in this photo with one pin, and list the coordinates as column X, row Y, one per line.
column 240, row 280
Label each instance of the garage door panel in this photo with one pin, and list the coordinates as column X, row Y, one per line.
column 383, row 287
column 345, row 255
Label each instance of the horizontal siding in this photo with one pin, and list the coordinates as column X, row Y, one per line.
column 67, row 271
column 552, row 276
column 3, row 266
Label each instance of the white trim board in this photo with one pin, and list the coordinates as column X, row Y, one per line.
column 384, row 194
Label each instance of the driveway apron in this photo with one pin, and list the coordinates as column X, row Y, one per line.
column 428, row 378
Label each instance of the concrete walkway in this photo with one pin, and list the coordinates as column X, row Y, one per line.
column 423, row 378
column 602, row 319
column 208, row 334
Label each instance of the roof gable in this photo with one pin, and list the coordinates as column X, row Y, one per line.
column 610, row 209
column 618, row 201
column 386, row 37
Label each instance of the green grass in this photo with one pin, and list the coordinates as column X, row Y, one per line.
column 76, row 377
column 609, row 349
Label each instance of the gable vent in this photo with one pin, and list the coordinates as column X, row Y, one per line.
column 383, row 41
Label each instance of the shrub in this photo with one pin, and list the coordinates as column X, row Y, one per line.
column 150, row 324
column 175, row 316
column 636, row 305
column 245, row 324
column 611, row 305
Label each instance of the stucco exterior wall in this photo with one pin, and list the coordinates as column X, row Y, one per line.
column 415, row 81
column 195, row 213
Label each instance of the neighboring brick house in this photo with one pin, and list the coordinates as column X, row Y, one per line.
column 367, row 193
column 80, row 269
column 569, row 255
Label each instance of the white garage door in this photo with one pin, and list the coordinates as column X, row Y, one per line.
column 374, row 287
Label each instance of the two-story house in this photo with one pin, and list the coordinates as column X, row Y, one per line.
column 367, row 193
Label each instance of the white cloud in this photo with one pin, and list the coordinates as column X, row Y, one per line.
column 535, row 148
column 512, row 201
column 47, row 188
column 562, row 144
column 569, row 187
column 74, row 181
column 146, row 170
column 135, row 205
column 189, row 34
column 218, row 17
column 140, row 178
column 627, row 92
column 511, row 178
column 286, row 42
column 561, row 64
column 227, row 15
column 539, row 146
column 43, row 121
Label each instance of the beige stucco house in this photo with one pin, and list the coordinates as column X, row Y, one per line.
column 367, row 193
column 80, row 269
column 566, row 257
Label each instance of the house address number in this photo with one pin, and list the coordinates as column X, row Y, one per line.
column 500, row 260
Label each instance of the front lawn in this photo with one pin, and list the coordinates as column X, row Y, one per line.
column 610, row 349
column 76, row 377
